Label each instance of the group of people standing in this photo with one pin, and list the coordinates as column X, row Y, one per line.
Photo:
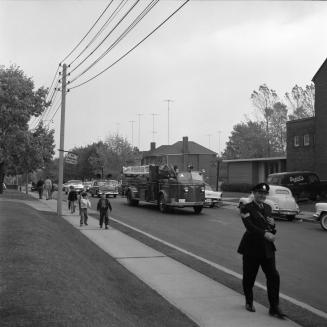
column 45, row 187
column 84, row 203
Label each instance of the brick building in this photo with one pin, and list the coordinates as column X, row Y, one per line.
column 182, row 154
column 307, row 138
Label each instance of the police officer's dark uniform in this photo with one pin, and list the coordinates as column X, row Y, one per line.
column 258, row 251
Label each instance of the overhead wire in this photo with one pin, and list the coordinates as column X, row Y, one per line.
column 119, row 22
column 133, row 48
column 87, row 32
column 33, row 122
column 148, row 8
column 103, row 27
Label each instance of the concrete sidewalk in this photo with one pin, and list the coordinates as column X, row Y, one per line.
column 204, row 300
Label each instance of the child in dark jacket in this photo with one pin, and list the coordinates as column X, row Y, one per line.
column 72, row 197
column 103, row 206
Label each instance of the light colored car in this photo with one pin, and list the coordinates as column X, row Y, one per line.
column 107, row 187
column 77, row 184
column 212, row 198
column 321, row 214
column 281, row 201
column 87, row 186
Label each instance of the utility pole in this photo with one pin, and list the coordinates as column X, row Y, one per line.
column 168, row 102
column 62, row 140
column 139, row 116
column 153, row 130
column 132, row 121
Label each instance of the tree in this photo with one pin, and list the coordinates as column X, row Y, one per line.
column 278, row 128
column 301, row 101
column 248, row 140
column 21, row 149
column 264, row 100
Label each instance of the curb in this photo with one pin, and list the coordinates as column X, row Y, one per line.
column 299, row 218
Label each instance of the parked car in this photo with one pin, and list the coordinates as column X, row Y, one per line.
column 321, row 214
column 212, row 198
column 77, row 184
column 87, row 186
column 107, row 187
column 281, row 201
column 303, row 184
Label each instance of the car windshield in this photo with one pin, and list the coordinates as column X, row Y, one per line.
column 75, row 182
column 113, row 183
column 193, row 177
column 280, row 191
column 102, row 183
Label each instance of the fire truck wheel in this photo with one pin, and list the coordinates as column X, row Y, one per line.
column 197, row 209
column 162, row 204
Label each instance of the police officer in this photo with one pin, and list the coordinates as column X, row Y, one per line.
column 258, row 249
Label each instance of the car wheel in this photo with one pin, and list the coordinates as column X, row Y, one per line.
column 291, row 217
column 162, row 204
column 323, row 221
column 115, row 196
column 197, row 209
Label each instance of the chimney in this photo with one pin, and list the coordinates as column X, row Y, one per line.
column 152, row 146
column 185, row 144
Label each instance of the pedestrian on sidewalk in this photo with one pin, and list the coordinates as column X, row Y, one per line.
column 48, row 188
column 258, row 249
column 103, row 207
column 39, row 187
column 72, row 197
column 84, row 204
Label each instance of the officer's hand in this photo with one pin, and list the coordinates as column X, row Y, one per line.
column 269, row 236
column 271, row 220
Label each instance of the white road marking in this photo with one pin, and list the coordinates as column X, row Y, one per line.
column 226, row 270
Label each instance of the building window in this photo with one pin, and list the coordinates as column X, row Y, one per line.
column 306, row 140
column 296, row 141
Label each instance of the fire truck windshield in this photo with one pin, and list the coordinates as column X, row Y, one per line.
column 192, row 177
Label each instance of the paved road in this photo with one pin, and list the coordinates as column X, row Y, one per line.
column 215, row 234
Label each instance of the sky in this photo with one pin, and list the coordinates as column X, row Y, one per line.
column 207, row 59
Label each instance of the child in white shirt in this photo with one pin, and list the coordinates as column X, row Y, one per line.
column 84, row 204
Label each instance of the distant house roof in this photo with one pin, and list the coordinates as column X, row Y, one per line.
column 319, row 70
column 177, row 149
column 255, row 159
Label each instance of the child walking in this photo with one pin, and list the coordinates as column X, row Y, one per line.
column 72, row 197
column 84, row 204
column 103, row 206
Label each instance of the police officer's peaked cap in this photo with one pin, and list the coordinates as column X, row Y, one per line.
column 261, row 187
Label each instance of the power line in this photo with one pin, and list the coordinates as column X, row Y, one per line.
column 111, row 17
column 133, row 48
column 126, row 14
column 87, row 32
column 121, row 37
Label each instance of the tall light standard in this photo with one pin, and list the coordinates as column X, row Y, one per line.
column 139, row 116
column 209, row 136
column 219, row 132
column 132, row 122
column 153, row 130
column 168, row 102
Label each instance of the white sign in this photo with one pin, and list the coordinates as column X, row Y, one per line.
column 136, row 170
column 71, row 158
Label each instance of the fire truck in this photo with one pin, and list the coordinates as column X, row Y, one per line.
column 164, row 186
